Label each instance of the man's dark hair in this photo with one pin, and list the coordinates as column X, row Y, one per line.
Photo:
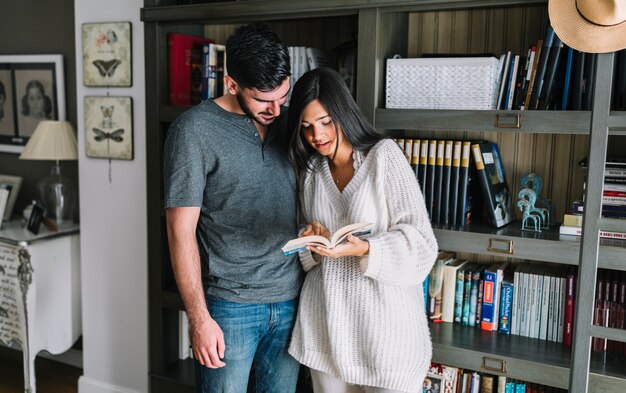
column 257, row 58
column 327, row 86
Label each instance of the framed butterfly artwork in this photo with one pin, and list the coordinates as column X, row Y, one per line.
column 109, row 127
column 107, row 55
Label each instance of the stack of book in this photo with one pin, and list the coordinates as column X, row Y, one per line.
column 613, row 200
column 609, row 310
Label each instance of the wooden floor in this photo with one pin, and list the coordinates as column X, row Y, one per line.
column 52, row 377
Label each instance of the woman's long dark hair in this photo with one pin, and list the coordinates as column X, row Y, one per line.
column 327, row 86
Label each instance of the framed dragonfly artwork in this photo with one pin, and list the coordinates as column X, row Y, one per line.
column 109, row 127
column 107, row 59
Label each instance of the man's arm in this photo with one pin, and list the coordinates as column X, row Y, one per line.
column 207, row 339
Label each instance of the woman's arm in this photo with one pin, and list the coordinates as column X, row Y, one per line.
column 405, row 253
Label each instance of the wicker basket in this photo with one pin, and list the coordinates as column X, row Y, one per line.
column 443, row 83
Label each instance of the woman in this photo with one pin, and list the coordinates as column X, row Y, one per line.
column 361, row 317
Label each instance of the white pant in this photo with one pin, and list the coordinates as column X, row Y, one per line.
column 327, row 383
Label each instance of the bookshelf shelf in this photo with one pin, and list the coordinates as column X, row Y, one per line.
column 536, row 122
column 523, row 358
column 547, row 246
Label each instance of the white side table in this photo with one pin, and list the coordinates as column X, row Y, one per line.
column 39, row 291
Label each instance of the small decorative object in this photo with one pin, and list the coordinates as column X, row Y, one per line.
column 107, row 54
column 54, row 140
column 535, row 182
column 11, row 184
column 109, row 127
column 35, row 218
column 538, row 216
column 32, row 89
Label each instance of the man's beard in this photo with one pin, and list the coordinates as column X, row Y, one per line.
column 249, row 113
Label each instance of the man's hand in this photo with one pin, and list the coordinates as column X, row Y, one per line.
column 207, row 342
column 315, row 228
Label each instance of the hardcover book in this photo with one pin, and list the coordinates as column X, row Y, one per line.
column 495, row 189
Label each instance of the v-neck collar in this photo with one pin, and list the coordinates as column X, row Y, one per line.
column 344, row 196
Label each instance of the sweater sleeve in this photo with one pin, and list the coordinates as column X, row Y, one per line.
column 405, row 253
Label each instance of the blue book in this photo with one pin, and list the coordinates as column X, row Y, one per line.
column 474, row 294
column 509, row 387
column 425, row 288
column 520, row 388
column 568, row 77
column 491, row 296
column 458, row 293
column 506, row 306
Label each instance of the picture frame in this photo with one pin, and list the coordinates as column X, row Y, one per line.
column 38, row 78
column 13, row 184
column 107, row 54
column 109, row 127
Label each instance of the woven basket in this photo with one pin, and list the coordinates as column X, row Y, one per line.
column 443, row 83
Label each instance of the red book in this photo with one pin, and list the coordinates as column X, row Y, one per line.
column 179, row 62
column 570, row 294
column 614, row 193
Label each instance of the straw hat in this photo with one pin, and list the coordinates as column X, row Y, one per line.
column 594, row 26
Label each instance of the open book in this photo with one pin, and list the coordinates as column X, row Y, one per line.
column 301, row 243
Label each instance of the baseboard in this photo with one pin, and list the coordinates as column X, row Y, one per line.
column 88, row 385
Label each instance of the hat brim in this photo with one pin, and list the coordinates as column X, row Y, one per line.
column 578, row 33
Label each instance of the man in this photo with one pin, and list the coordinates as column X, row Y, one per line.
column 231, row 204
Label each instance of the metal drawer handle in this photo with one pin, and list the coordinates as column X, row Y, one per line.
column 493, row 364
column 501, row 246
column 517, row 120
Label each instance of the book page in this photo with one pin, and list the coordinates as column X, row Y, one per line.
column 343, row 232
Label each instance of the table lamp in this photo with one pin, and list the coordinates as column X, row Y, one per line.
column 54, row 140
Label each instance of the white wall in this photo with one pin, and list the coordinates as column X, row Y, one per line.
column 113, row 229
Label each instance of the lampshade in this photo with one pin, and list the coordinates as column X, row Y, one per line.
column 52, row 140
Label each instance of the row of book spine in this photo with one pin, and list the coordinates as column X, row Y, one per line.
column 525, row 299
column 555, row 77
column 442, row 169
column 449, row 379
column 197, row 67
column 609, row 311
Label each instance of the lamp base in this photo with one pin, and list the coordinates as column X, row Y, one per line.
column 57, row 194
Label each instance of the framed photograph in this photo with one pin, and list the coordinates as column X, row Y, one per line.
column 107, row 59
column 109, row 127
column 32, row 88
column 12, row 184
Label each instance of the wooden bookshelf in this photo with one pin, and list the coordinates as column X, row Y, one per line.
column 549, row 143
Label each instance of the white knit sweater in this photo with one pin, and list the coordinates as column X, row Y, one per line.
column 362, row 319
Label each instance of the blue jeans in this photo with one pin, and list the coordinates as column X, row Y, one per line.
column 259, row 332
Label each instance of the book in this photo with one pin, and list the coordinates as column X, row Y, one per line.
column 415, row 157
column 435, row 284
column 449, row 289
column 423, row 166
column 317, row 57
column 179, row 65
column 301, row 243
column 577, row 81
column 504, row 79
column 461, row 218
column 493, row 183
column 444, row 201
column 195, row 93
column 477, row 276
column 533, row 74
column 567, row 78
column 494, row 275
column 430, row 188
column 551, row 71
column 510, row 90
column 506, row 304
column 541, row 68
column 578, row 231
column 437, row 199
column 459, row 292
column 454, row 181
